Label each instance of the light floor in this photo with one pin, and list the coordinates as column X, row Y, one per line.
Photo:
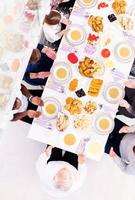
column 19, row 181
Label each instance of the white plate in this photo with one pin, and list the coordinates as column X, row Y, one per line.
column 126, row 17
column 56, row 103
column 94, row 149
column 87, row 5
column 67, row 70
column 76, row 29
column 129, row 48
column 105, row 131
column 131, row 10
column 117, row 99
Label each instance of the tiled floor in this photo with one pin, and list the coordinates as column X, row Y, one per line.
column 19, row 181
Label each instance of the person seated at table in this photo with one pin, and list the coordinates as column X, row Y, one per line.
column 25, row 105
column 65, row 7
column 121, row 147
column 127, row 105
column 61, row 174
column 52, row 28
column 39, row 65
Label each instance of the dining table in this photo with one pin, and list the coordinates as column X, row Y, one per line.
column 78, row 120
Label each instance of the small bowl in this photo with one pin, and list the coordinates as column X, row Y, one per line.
column 78, row 28
column 104, row 131
column 111, row 99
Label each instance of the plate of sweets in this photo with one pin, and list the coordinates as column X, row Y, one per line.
column 91, row 68
column 76, row 34
column 127, row 23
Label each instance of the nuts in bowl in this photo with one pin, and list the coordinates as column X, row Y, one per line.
column 81, row 122
column 90, row 107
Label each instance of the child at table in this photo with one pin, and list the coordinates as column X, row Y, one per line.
column 26, row 104
column 52, row 28
column 63, row 6
column 61, row 174
column 39, row 65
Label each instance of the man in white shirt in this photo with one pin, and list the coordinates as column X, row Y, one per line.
column 61, row 174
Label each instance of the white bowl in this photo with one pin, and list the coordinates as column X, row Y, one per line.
column 98, row 129
column 78, row 28
column 117, row 99
column 87, row 5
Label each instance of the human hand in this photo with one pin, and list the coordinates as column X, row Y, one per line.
column 48, row 151
column 130, row 83
column 81, row 158
column 43, row 75
column 66, row 21
column 33, row 114
column 51, row 53
column 124, row 103
column 112, row 153
column 65, row 31
column 125, row 129
column 37, row 101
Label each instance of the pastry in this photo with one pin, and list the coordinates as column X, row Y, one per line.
column 73, row 85
column 96, row 23
column 90, row 107
column 89, row 68
column 62, row 122
column 81, row 122
column 95, row 87
column 73, row 105
column 119, row 6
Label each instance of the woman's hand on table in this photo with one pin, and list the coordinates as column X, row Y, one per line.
column 43, row 75
column 130, row 84
column 37, row 101
column 125, row 129
column 124, row 103
column 33, row 114
column 81, row 158
column 51, row 53
column 112, row 153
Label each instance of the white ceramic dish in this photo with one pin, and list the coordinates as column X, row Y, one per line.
column 87, row 3
column 94, row 149
column 127, row 49
column 56, row 106
column 118, row 90
column 61, row 72
column 107, row 127
column 76, row 35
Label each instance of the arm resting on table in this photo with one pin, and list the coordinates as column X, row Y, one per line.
column 19, row 116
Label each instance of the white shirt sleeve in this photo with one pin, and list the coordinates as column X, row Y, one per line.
column 51, row 32
column 41, row 165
